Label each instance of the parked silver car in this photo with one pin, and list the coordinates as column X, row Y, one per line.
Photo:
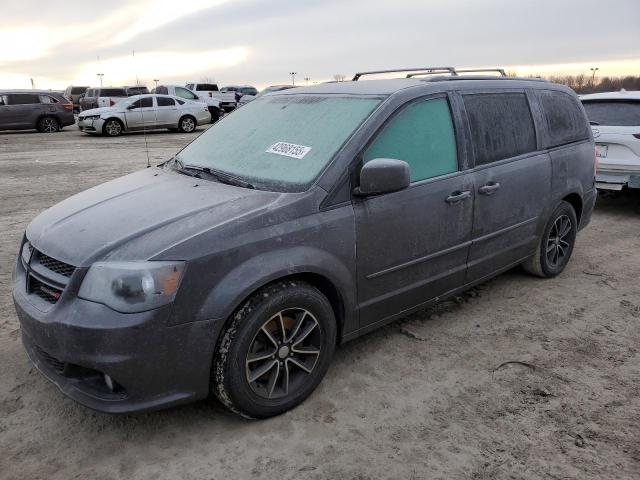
column 145, row 112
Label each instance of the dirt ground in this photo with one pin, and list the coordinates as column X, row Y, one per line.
column 518, row 378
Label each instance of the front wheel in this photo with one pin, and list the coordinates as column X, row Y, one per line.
column 556, row 244
column 187, row 124
column 275, row 351
column 112, row 127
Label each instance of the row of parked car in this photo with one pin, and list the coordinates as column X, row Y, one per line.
column 114, row 110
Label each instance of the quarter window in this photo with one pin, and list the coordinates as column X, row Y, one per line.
column 565, row 120
column 501, row 126
column 47, row 99
column 422, row 135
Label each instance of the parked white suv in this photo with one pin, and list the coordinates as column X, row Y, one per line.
column 210, row 90
column 145, row 112
column 615, row 122
column 213, row 104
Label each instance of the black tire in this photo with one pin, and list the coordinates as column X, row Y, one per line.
column 187, row 124
column 556, row 244
column 48, row 125
column 294, row 306
column 112, row 127
column 215, row 114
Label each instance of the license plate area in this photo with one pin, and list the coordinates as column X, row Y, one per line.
column 601, row 150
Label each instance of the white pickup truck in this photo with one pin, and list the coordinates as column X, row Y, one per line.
column 213, row 104
column 210, row 90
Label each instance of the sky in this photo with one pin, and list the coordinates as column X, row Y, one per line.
column 259, row 42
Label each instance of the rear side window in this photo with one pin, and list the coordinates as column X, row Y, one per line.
column 165, row 102
column 184, row 93
column 23, row 99
column 161, row 90
column 113, row 92
column 564, row 118
column 78, row 90
column 623, row 113
column 422, row 135
column 207, row 87
column 501, row 126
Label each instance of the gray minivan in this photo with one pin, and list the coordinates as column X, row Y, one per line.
column 43, row 110
column 237, row 266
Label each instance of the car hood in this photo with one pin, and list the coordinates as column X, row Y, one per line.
column 140, row 216
column 99, row 111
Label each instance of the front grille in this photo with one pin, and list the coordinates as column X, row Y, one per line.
column 56, row 265
column 53, row 362
column 44, row 291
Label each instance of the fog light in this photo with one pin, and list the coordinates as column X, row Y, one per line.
column 109, row 382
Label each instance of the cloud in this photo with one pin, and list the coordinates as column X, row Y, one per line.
column 149, row 65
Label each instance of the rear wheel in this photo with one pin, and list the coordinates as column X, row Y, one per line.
column 48, row 125
column 112, row 127
column 556, row 244
column 187, row 124
column 275, row 351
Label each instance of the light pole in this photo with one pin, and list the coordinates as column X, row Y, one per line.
column 156, row 80
column 593, row 75
column 293, row 77
column 306, row 79
column 100, row 75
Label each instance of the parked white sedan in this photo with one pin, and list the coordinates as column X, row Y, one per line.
column 615, row 122
column 145, row 112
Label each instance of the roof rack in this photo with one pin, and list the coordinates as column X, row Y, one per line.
column 479, row 70
column 415, row 72
column 449, row 70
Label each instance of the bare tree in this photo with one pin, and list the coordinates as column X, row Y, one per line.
column 339, row 77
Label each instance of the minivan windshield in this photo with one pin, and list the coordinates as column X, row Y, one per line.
column 282, row 142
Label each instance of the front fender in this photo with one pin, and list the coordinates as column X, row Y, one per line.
column 262, row 269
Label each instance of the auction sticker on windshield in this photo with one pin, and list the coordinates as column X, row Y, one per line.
column 288, row 149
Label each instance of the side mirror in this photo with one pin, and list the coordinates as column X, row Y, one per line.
column 383, row 175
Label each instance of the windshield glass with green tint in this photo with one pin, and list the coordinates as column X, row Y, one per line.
column 282, row 142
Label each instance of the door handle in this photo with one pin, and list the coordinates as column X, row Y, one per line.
column 489, row 188
column 458, row 196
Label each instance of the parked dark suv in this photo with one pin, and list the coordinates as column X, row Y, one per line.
column 26, row 109
column 237, row 266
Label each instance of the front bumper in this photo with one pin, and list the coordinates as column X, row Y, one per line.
column 91, row 125
column 74, row 343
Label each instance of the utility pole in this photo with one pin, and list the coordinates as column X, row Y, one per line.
column 306, row 79
column 100, row 75
column 293, row 77
column 593, row 75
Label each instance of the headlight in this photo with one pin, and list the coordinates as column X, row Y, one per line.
column 90, row 117
column 131, row 287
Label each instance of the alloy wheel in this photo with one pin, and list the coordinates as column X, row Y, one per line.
column 49, row 125
column 113, row 128
column 557, row 245
column 188, row 124
column 283, row 353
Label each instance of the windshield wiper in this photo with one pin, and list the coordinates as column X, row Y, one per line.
column 222, row 177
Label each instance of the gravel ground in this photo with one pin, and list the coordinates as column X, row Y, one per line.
column 518, row 378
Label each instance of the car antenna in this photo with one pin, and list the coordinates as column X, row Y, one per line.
column 144, row 125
